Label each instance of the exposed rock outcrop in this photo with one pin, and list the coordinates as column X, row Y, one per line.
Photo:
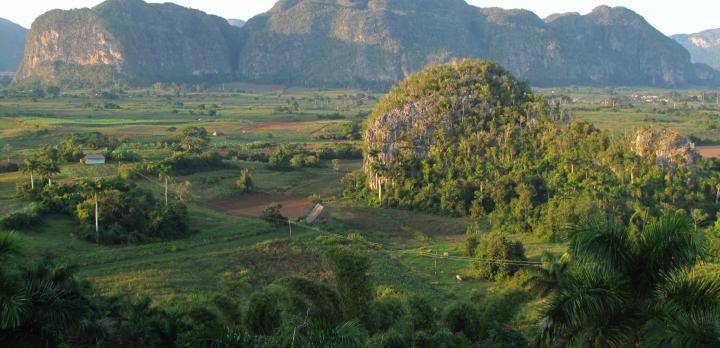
column 666, row 146
column 129, row 40
column 704, row 47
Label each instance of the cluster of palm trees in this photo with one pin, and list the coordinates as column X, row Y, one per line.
column 39, row 303
column 45, row 169
column 350, row 334
column 621, row 287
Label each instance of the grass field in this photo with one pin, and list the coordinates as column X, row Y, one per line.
column 231, row 249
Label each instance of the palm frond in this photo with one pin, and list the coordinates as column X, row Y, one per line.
column 668, row 244
column 13, row 301
column 586, row 302
column 680, row 329
column 9, row 245
column 602, row 243
column 688, row 291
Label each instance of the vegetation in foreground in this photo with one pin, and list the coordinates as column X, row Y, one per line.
column 370, row 276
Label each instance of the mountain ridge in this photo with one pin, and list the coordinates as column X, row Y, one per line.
column 376, row 43
column 704, row 47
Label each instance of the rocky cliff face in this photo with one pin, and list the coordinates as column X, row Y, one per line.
column 704, row 47
column 12, row 43
column 340, row 42
column 128, row 40
column 667, row 147
column 368, row 43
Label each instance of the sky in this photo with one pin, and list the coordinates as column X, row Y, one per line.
column 669, row 16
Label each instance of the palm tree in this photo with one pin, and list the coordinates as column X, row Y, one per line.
column 547, row 278
column 12, row 299
column 49, row 170
column 93, row 188
column 53, row 307
column 7, row 150
column 634, row 288
column 31, row 167
column 164, row 174
column 346, row 335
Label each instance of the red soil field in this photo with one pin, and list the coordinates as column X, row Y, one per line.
column 277, row 126
column 253, row 205
column 709, row 151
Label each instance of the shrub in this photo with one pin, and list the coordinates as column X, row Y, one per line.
column 350, row 270
column 495, row 247
column 273, row 215
column 263, row 315
column 386, row 312
column 129, row 172
column 193, row 162
column 420, row 313
column 21, row 220
column 245, row 183
column 463, row 317
column 123, row 155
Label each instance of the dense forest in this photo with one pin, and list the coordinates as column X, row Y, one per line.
column 467, row 139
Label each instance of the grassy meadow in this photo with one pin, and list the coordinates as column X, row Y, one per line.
column 230, row 249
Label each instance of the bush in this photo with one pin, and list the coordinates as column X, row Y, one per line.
column 22, row 220
column 263, row 315
column 386, row 311
column 245, row 183
column 420, row 313
column 443, row 338
column 273, row 215
column 129, row 172
column 123, row 155
column 463, row 317
column 350, row 270
column 192, row 162
column 168, row 222
column 495, row 247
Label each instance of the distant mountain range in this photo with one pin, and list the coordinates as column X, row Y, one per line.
column 340, row 43
column 236, row 22
column 704, row 47
column 12, row 43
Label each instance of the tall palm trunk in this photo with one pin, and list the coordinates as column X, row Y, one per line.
column 97, row 220
column 32, row 181
column 166, row 191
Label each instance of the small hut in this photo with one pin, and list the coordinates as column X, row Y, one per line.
column 93, row 159
column 317, row 215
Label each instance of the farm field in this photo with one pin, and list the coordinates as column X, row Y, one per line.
column 693, row 113
column 225, row 222
column 229, row 246
column 230, row 249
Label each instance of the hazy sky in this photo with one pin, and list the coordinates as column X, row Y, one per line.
column 670, row 16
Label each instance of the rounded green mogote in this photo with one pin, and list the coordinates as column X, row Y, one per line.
column 434, row 111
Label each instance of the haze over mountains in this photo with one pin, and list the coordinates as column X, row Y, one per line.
column 340, row 43
column 12, row 43
column 704, row 47
column 236, row 22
